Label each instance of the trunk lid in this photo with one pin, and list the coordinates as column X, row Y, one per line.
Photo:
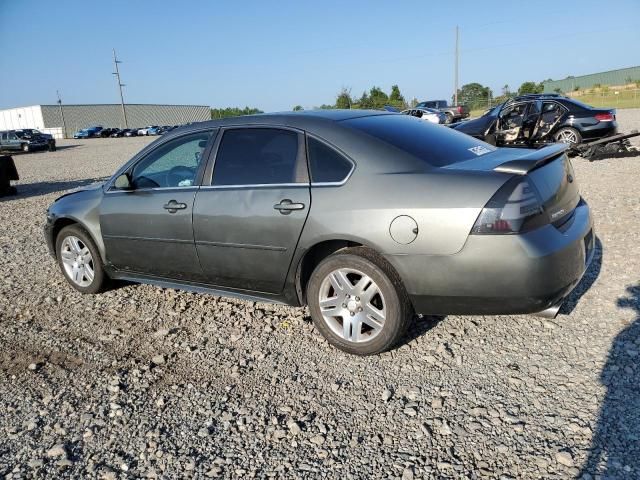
column 549, row 170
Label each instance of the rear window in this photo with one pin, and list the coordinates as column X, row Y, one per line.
column 436, row 145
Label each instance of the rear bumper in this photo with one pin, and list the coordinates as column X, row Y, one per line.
column 599, row 130
column 502, row 274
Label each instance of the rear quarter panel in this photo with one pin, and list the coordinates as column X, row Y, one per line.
column 445, row 205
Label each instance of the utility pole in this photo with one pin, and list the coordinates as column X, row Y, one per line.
column 455, row 76
column 120, row 85
column 64, row 125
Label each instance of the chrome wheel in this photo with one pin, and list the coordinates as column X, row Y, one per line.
column 352, row 305
column 77, row 261
column 567, row 136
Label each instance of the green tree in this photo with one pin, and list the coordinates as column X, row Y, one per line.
column 233, row 112
column 395, row 97
column 365, row 101
column 378, row 98
column 474, row 95
column 344, row 100
column 530, row 87
column 298, row 108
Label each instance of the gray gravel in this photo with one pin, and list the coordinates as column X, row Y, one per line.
column 149, row 382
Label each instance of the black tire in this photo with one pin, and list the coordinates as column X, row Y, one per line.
column 25, row 148
column 449, row 118
column 399, row 312
column 100, row 278
column 568, row 130
column 52, row 147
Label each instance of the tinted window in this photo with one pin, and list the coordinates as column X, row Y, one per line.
column 173, row 164
column 436, row 145
column 258, row 156
column 326, row 165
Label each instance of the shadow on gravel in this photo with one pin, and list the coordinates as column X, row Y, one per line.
column 420, row 326
column 615, row 449
column 27, row 190
column 589, row 278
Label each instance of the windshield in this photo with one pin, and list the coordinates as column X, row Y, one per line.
column 436, row 145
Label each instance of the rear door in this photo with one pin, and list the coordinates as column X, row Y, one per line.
column 247, row 221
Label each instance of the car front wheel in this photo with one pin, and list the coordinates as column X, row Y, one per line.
column 79, row 260
column 358, row 302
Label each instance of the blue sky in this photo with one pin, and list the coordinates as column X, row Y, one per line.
column 274, row 55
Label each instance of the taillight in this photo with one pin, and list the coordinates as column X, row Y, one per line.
column 604, row 117
column 515, row 208
column 459, row 108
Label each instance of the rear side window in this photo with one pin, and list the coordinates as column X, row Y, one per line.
column 436, row 145
column 258, row 156
column 326, row 164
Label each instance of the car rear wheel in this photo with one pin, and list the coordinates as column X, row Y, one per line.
column 80, row 260
column 358, row 302
column 448, row 119
column 568, row 135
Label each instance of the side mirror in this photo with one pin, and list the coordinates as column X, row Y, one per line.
column 123, row 182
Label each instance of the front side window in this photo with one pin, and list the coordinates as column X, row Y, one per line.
column 325, row 164
column 259, row 156
column 174, row 164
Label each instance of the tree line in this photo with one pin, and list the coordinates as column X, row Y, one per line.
column 475, row 95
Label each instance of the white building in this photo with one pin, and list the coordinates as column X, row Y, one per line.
column 54, row 118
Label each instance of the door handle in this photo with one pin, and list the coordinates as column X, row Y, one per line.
column 174, row 206
column 286, row 206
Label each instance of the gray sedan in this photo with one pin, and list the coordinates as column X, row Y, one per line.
column 367, row 217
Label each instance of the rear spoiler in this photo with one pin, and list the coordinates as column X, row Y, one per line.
column 533, row 160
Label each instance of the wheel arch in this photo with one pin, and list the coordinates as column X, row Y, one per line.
column 62, row 222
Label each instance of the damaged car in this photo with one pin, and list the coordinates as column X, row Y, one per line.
column 539, row 119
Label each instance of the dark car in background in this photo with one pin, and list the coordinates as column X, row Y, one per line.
column 26, row 140
column 532, row 120
column 406, row 217
column 107, row 132
column 452, row 113
column 131, row 132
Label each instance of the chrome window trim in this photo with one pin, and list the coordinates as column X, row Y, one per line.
column 255, row 185
column 151, row 189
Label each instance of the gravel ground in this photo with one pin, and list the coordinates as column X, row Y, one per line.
column 148, row 382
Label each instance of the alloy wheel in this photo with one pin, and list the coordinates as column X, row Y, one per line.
column 352, row 305
column 77, row 261
column 567, row 136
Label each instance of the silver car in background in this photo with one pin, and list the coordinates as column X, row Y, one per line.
column 428, row 114
column 367, row 217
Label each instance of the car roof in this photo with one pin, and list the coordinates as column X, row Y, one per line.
column 300, row 119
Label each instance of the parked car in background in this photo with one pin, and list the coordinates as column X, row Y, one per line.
column 536, row 119
column 33, row 133
column 88, row 132
column 154, row 130
column 20, row 140
column 406, row 217
column 106, row 132
column 453, row 113
column 131, row 132
column 119, row 132
column 145, row 130
column 428, row 114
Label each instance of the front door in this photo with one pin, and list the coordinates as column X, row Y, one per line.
column 249, row 218
column 148, row 229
